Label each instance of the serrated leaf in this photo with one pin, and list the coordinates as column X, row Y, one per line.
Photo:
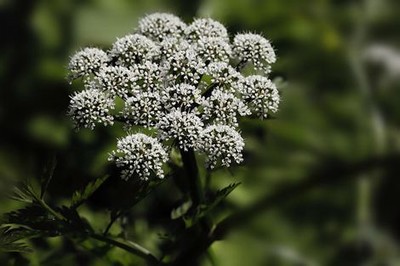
column 216, row 199
column 15, row 247
column 23, row 193
column 223, row 193
column 203, row 209
column 81, row 196
column 11, row 239
column 33, row 217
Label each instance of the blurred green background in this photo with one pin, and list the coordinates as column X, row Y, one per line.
column 339, row 79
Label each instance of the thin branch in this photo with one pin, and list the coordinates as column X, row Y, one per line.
column 129, row 246
column 114, row 217
column 49, row 172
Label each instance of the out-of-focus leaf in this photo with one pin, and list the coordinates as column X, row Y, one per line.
column 205, row 208
column 23, row 192
column 33, row 217
column 181, row 210
column 11, row 239
column 80, row 196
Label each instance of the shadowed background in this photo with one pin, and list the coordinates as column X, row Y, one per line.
column 338, row 70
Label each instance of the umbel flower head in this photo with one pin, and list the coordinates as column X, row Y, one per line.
column 183, row 127
column 90, row 107
column 206, row 27
column 262, row 95
column 212, row 49
column 180, row 96
column 225, row 76
column 159, row 26
column 222, row 144
column 133, row 49
column 144, row 109
column 182, row 82
column 86, row 62
column 116, row 80
column 223, row 108
column 139, row 155
column 254, row 48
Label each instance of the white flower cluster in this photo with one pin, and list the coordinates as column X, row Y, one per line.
column 183, row 127
column 90, row 107
column 223, row 108
column 139, row 155
column 254, row 48
column 86, row 62
column 183, row 82
column 133, row 49
column 222, row 143
column 159, row 26
column 262, row 95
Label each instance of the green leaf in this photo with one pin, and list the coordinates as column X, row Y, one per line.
column 81, row 196
column 23, row 192
column 181, row 210
column 33, row 217
column 11, row 239
column 191, row 218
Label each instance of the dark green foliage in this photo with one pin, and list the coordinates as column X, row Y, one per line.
column 81, row 196
column 11, row 239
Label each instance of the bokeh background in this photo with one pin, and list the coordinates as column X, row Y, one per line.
column 338, row 70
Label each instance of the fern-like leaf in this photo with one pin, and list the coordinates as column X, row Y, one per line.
column 81, row 196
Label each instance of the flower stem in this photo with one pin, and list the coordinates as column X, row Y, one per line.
column 190, row 165
column 129, row 246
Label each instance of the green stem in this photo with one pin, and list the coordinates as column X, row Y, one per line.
column 114, row 217
column 48, row 208
column 192, row 172
column 129, row 246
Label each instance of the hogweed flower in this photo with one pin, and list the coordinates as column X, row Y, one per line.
column 223, row 108
column 133, row 49
column 181, row 96
column 213, row 49
column 184, row 127
column 225, row 76
column 222, row 144
column 254, row 48
column 90, row 107
column 206, row 27
column 183, row 82
column 170, row 46
column 86, row 62
column 140, row 156
column 147, row 76
column 262, row 95
column 185, row 67
column 159, row 26
column 144, row 109
column 117, row 80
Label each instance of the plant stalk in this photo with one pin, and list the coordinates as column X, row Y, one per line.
column 129, row 246
column 191, row 169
